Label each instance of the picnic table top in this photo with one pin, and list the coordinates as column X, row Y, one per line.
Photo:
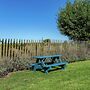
column 51, row 56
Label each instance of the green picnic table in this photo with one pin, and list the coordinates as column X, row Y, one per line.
column 47, row 63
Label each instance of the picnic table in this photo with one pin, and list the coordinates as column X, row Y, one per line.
column 47, row 63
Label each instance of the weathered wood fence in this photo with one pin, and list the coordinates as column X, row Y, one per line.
column 12, row 48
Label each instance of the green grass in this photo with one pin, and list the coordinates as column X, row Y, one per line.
column 76, row 76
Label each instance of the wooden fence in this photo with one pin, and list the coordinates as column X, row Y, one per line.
column 12, row 48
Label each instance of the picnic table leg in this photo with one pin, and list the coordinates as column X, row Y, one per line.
column 46, row 70
column 34, row 69
column 63, row 67
column 49, row 68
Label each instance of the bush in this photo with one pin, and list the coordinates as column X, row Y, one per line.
column 3, row 71
column 8, row 65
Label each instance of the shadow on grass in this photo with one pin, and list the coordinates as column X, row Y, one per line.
column 52, row 70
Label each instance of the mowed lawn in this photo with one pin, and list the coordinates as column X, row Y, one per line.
column 76, row 76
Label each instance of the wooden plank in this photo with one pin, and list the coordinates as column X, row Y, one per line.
column 10, row 48
column 5, row 44
column 2, row 48
column 24, row 46
column 13, row 48
column 21, row 47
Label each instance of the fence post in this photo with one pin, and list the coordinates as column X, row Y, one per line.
column 29, row 50
column 42, row 44
column 13, row 48
column 10, row 48
column 2, row 47
column 5, row 44
column 21, row 47
column 26, row 46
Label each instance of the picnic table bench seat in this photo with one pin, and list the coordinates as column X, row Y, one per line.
column 55, row 64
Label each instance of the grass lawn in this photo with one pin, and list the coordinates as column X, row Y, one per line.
column 76, row 76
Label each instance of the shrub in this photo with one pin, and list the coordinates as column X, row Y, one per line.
column 18, row 63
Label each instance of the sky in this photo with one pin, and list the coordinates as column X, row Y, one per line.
column 30, row 19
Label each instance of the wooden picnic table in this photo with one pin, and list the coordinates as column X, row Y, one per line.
column 47, row 63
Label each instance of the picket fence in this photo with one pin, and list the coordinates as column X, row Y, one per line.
column 71, row 50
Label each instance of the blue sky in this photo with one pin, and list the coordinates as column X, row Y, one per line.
column 30, row 19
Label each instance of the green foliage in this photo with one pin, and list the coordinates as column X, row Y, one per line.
column 8, row 65
column 76, row 51
column 74, row 20
column 76, row 76
column 47, row 41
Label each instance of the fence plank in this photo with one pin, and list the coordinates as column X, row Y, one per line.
column 2, row 48
column 5, row 44
column 10, row 48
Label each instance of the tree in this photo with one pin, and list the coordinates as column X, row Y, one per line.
column 47, row 40
column 74, row 20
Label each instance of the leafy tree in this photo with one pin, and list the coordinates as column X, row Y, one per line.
column 47, row 40
column 74, row 20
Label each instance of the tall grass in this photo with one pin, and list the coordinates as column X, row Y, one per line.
column 76, row 76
